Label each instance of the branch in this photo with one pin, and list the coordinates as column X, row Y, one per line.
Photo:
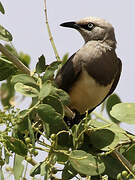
column 14, row 60
column 31, row 161
column 69, row 113
column 50, row 34
column 100, row 116
column 124, row 162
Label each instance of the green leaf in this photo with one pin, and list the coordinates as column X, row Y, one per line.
column 1, row 174
column 129, row 154
column 61, row 158
column 78, row 134
column 124, row 112
column 86, row 163
column 64, row 141
column 111, row 101
column 104, row 139
column 112, row 166
column 26, row 90
column 31, row 132
column 45, row 90
column 5, row 34
column 49, row 72
column 119, row 132
column 6, row 93
column 52, row 119
column 7, row 156
column 48, row 113
column 25, row 58
column 68, row 172
column 41, row 65
column 55, row 103
column 62, row 95
column 18, row 167
column 23, row 78
column 65, row 58
column 43, row 168
column 6, row 70
column 23, row 125
column 5, row 60
column 2, row 8
column 35, row 170
column 47, row 172
column 16, row 146
column 112, row 127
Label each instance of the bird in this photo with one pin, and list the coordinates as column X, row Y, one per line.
column 92, row 73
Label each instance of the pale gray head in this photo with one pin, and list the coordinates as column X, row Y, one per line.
column 92, row 28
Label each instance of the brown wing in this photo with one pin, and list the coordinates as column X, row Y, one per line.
column 114, row 85
column 116, row 78
column 68, row 74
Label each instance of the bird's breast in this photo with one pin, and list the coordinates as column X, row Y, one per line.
column 86, row 93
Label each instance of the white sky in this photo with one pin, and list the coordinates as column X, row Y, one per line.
column 25, row 20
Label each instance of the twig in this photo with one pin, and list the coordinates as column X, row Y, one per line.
column 125, row 143
column 124, row 162
column 102, row 107
column 41, row 149
column 69, row 113
column 30, row 110
column 32, row 162
column 98, row 115
column 25, row 171
column 50, row 34
column 14, row 60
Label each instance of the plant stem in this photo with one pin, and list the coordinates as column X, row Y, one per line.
column 14, row 60
column 30, row 110
column 98, row 115
column 25, row 171
column 41, row 149
column 88, row 178
column 102, row 107
column 32, row 162
column 50, row 34
column 44, row 144
column 124, row 162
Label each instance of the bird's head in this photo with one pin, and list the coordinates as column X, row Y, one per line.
column 92, row 28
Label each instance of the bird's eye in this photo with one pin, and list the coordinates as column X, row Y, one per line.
column 90, row 26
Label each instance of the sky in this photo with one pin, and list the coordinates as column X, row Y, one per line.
column 26, row 22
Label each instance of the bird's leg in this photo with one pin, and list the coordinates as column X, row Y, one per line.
column 70, row 121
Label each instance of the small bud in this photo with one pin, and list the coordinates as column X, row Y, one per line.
column 28, row 158
column 35, row 153
column 53, row 136
column 27, row 140
column 124, row 173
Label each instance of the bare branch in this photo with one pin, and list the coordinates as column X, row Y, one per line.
column 14, row 60
column 50, row 34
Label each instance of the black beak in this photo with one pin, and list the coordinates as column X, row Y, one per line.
column 70, row 25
